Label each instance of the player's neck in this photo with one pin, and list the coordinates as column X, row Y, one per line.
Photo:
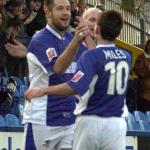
column 60, row 32
column 101, row 41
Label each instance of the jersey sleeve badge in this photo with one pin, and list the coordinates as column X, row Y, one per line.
column 51, row 53
column 77, row 76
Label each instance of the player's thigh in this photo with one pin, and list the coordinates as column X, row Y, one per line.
column 42, row 137
column 114, row 135
column 100, row 133
column 47, row 137
column 67, row 140
column 85, row 137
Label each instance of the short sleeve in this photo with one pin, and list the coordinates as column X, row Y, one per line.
column 86, row 70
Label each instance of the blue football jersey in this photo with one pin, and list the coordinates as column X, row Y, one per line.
column 101, row 81
column 45, row 47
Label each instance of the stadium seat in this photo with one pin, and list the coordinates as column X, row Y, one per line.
column 18, row 80
column 20, row 114
column 11, row 120
column 144, row 125
column 26, row 81
column 22, row 90
column 138, row 115
column 133, row 125
column 16, row 94
column 4, row 81
column 130, row 117
column 148, row 116
column 2, row 121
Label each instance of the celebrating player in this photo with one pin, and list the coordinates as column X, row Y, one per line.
column 100, row 81
column 49, row 120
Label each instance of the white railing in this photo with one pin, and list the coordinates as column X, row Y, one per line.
column 131, row 30
column 129, row 34
column 147, row 29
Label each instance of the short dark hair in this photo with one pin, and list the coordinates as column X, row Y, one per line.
column 110, row 23
column 48, row 3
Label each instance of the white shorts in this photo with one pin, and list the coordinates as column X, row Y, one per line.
column 41, row 137
column 97, row 133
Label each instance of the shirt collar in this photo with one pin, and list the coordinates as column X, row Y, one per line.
column 105, row 45
column 54, row 32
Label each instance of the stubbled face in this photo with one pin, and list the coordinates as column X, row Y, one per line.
column 60, row 15
column 91, row 18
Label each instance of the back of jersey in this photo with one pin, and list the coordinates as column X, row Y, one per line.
column 110, row 89
column 101, row 80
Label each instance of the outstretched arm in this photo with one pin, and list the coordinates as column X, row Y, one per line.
column 60, row 90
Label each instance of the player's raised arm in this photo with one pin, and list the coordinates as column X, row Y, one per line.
column 65, row 59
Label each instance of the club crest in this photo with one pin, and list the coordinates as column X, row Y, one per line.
column 51, row 53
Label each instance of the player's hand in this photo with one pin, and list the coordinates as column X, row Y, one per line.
column 90, row 42
column 17, row 49
column 81, row 32
column 32, row 93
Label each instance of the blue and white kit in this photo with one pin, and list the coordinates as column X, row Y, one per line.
column 101, row 81
column 51, row 113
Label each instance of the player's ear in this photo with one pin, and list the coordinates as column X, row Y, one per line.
column 47, row 12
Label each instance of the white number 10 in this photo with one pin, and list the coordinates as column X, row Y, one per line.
column 116, row 80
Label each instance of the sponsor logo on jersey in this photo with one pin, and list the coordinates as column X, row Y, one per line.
column 51, row 53
column 77, row 76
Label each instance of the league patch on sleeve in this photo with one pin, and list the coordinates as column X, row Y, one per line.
column 77, row 76
column 51, row 53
